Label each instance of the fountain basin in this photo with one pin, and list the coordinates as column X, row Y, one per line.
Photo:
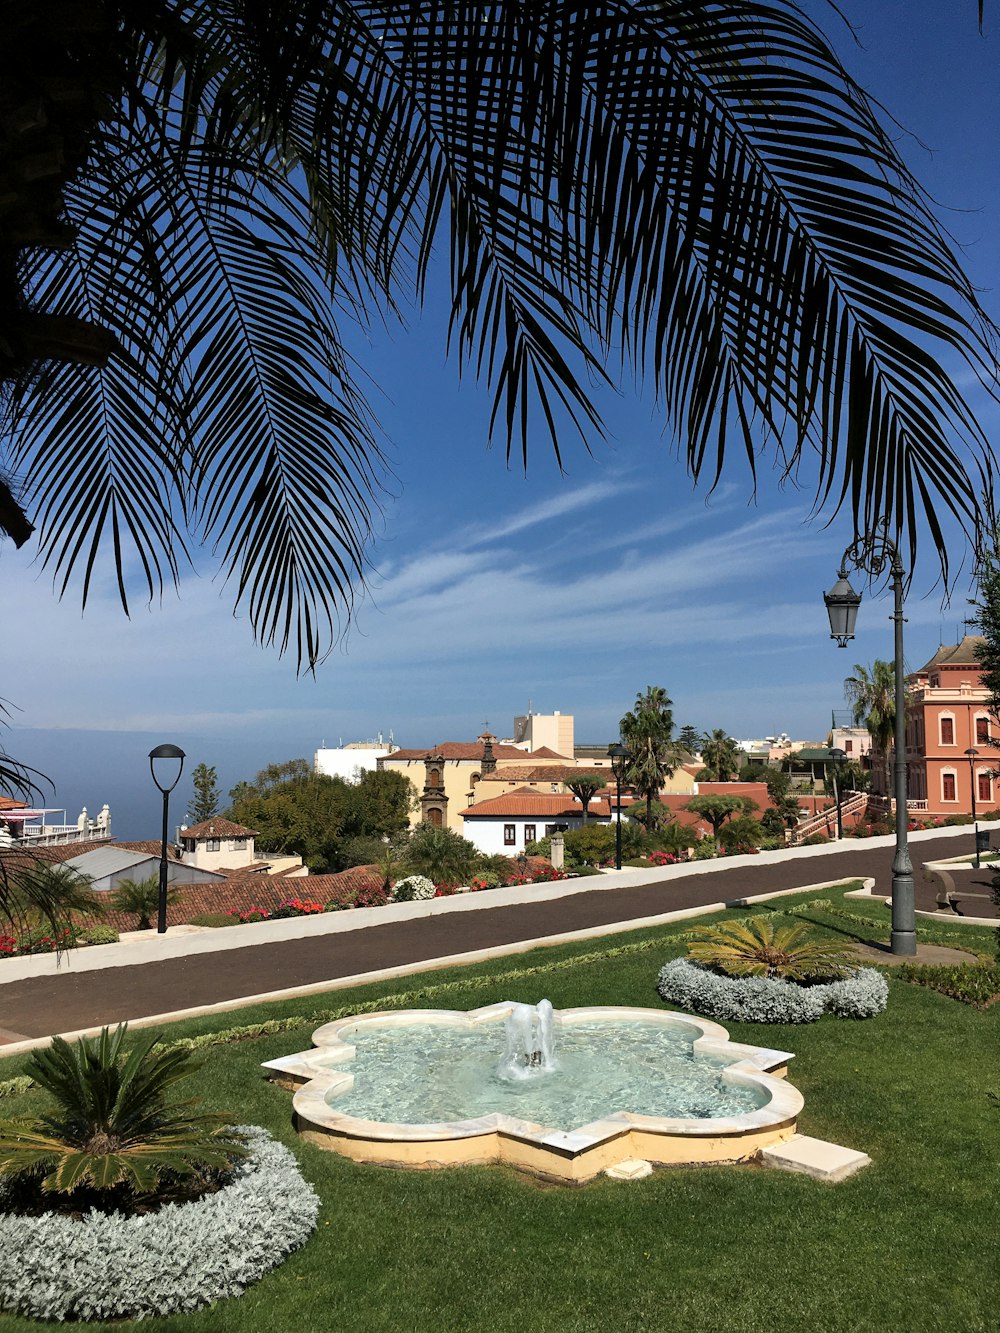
column 323, row 1080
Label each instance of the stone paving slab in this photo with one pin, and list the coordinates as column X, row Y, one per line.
column 815, row 1158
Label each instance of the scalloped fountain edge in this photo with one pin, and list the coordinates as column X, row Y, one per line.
column 571, row 1157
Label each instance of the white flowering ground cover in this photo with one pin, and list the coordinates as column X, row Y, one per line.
column 175, row 1260
column 766, row 1000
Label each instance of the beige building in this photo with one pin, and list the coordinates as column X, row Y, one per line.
column 545, row 731
column 446, row 777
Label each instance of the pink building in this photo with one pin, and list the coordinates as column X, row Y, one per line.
column 948, row 713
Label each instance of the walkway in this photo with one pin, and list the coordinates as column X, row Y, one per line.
column 70, row 1000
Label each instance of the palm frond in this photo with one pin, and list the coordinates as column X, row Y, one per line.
column 696, row 191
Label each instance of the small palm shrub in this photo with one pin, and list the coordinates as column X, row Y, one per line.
column 142, row 897
column 760, row 948
column 115, row 1141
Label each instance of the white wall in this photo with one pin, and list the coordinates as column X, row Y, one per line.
column 345, row 761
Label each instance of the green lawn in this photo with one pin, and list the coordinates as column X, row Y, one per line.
column 909, row 1243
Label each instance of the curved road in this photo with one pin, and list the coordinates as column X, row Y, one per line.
column 39, row 1006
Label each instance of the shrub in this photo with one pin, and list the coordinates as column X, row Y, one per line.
column 759, row 947
column 741, row 835
column 97, row 934
column 767, row 1000
column 814, row 840
column 215, row 919
column 486, row 879
column 704, row 850
column 292, row 907
column 547, row 874
column 415, row 888
column 176, row 1260
column 953, row 821
column 114, row 1139
column 251, row 915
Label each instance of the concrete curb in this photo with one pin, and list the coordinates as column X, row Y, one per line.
column 427, row 965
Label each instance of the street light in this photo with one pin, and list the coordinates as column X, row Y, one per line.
column 872, row 553
column 619, row 757
column 838, row 757
column 164, row 752
column 972, row 755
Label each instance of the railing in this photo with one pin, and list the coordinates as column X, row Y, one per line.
column 44, row 835
column 826, row 820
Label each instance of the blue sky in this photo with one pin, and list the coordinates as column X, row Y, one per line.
column 490, row 588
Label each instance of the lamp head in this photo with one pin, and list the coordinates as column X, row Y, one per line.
column 166, row 752
column 842, row 604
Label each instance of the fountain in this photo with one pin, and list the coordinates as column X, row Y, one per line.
column 528, row 1042
column 564, row 1095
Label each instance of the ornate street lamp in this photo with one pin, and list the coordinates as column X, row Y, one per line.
column 972, row 755
column 838, row 757
column 164, row 753
column 871, row 554
column 619, row 762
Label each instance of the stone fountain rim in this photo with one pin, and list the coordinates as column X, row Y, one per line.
column 319, row 1072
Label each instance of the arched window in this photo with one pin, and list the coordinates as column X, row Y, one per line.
column 434, row 778
column 435, row 818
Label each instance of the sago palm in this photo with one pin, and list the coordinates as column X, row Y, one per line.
column 114, row 1124
column 761, row 948
column 204, row 196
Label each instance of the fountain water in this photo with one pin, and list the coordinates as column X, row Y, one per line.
column 528, row 1046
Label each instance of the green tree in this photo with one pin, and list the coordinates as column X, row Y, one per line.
column 647, row 734
column 205, row 801
column 987, row 606
column 872, row 697
column 585, row 787
column 717, row 809
column 722, row 756
column 441, row 854
column 689, row 739
column 141, row 897
column 236, row 176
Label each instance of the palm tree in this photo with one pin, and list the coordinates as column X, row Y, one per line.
column 647, row 733
column 32, row 890
column 699, row 190
column 721, row 755
column 141, row 897
column 872, row 696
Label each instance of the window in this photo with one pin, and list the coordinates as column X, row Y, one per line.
column 982, row 731
column 508, row 835
column 948, row 732
column 239, row 844
column 985, row 787
column 434, row 778
column 948, row 792
column 434, row 818
column 212, row 845
column 848, row 747
column 529, row 833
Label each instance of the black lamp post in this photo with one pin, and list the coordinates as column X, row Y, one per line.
column 838, row 757
column 166, row 753
column 872, row 553
column 972, row 755
column 619, row 760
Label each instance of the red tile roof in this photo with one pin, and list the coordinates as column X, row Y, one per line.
column 545, row 753
column 217, row 827
column 526, row 801
column 470, row 750
column 8, row 803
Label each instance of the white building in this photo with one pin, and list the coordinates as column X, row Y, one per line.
column 507, row 824
column 544, row 731
column 351, row 760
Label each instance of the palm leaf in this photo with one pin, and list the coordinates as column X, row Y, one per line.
column 698, row 191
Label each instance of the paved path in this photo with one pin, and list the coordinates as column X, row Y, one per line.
column 38, row 1006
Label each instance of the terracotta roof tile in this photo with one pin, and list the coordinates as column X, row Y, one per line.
column 470, row 750
column 217, row 827
column 526, row 801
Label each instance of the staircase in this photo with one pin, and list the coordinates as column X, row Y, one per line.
column 826, row 820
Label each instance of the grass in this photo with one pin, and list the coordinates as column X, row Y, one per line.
column 906, row 1244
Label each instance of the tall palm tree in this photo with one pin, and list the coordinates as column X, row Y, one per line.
column 205, row 194
column 647, row 733
column 872, row 697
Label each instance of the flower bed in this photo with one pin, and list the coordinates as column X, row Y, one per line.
column 185, row 1256
column 767, row 1000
